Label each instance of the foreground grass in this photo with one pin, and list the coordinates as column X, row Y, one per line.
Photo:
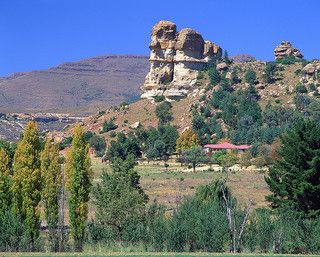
column 150, row 254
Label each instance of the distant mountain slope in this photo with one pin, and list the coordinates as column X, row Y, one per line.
column 78, row 87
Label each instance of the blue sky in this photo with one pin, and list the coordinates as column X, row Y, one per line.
column 37, row 34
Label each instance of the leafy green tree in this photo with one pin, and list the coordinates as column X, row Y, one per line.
column 164, row 112
column 187, row 140
column 119, row 197
column 227, row 160
column 108, row 125
column 98, row 143
column 123, row 146
column 51, row 173
column 250, row 77
column 194, row 156
column 294, row 179
column 27, row 183
column 199, row 223
column 168, row 135
column 78, row 174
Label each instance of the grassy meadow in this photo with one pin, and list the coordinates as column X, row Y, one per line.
column 170, row 185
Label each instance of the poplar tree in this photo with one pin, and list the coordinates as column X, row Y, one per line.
column 78, row 174
column 27, row 183
column 187, row 140
column 5, row 182
column 51, row 173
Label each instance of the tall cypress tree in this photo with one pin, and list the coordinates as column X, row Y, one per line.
column 78, row 171
column 51, row 173
column 27, row 183
column 5, row 182
column 294, row 180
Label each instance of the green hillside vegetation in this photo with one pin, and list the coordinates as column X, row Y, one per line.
column 210, row 220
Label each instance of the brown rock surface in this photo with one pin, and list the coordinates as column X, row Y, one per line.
column 175, row 60
column 285, row 49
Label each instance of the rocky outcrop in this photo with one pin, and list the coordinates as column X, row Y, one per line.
column 176, row 58
column 312, row 68
column 311, row 73
column 285, row 49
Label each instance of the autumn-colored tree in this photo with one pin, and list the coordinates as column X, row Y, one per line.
column 27, row 183
column 187, row 140
column 78, row 175
column 51, row 174
column 5, row 182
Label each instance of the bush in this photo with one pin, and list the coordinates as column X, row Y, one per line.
column 301, row 89
column 287, row 60
column 65, row 143
column 159, row 98
column 113, row 134
column 269, row 72
column 250, row 77
column 108, row 126
column 164, row 112
column 98, row 144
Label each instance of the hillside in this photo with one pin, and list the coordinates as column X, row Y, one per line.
column 79, row 87
column 228, row 97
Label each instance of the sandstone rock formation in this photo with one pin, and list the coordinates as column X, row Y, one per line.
column 312, row 68
column 285, row 49
column 311, row 73
column 175, row 60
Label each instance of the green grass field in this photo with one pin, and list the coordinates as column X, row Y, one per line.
column 148, row 255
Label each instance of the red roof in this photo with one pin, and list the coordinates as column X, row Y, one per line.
column 227, row 146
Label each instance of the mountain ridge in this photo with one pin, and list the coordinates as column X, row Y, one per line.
column 79, row 87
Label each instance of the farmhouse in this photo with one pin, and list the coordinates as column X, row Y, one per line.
column 209, row 148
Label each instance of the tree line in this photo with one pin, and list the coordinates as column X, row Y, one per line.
column 34, row 183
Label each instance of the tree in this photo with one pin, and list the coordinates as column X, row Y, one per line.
column 250, row 77
column 27, row 183
column 108, row 126
column 195, row 156
column 269, row 72
column 168, row 135
column 226, row 57
column 5, row 183
column 187, row 140
column 294, row 178
column 98, row 143
column 119, row 197
column 214, row 75
column 51, row 173
column 301, row 89
column 123, row 147
column 227, row 160
column 164, row 112
column 78, row 173
column 10, row 149
column 234, row 77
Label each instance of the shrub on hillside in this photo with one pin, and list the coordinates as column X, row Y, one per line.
column 108, row 126
column 301, row 89
column 250, row 77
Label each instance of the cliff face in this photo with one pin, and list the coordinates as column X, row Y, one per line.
column 175, row 61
